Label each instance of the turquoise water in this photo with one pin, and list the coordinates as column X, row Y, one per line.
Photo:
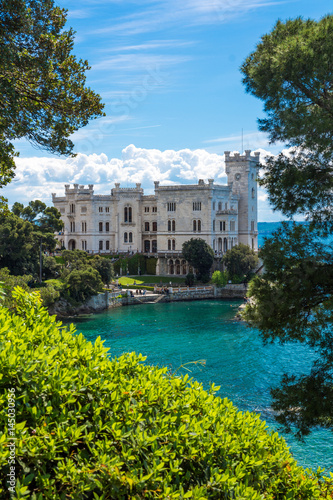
column 177, row 333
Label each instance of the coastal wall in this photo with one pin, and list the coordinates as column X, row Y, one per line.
column 110, row 300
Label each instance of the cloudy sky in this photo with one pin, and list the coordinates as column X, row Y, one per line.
column 168, row 73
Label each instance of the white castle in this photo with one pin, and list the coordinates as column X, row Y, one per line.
column 127, row 221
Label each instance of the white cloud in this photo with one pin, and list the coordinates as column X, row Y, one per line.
column 37, row 178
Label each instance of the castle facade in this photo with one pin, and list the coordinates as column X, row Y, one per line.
column 127, row 221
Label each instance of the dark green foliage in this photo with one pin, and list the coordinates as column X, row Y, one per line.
column 291, row 71
column 104, row 268
column 83, row 283
column 51, row 268
column 189, row 280
column 151, row 265
column 42, row 86
column 19, row 245
column 294, row 302
column 75, row 259
column 88, row 427
column 9, row 282
column 240, row 260
column 199, row 255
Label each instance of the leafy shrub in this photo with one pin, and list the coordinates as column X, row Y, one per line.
column 220, row 279
column 49, row 295
column 88, row 427
column 84, row 283
column 189, row 280
column 151, row 263
column 9, row 282
column 51, row 268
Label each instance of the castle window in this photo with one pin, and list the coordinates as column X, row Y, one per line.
column 199, row 225
column 130, row 237
column 253, row 192
column 173, row 225
column 214, row 225
column 146, row 209
column 125, row 237
column 100, row 209
column 107, row 227
column 84, row 245
column 107, row 209
column 107, row 245
column 84, row 227
column 252, row 225
column 100, row 245
column 72, row 227
column 232, row 225
column 226, row 206
column 194, row 226
column 128, row 214
column 171, row 207
column 154, row 246
column 173, row 244
column 100, row 227
column 154, row 226
column 197, row 205
column 154, row 209
column 169, row 225
column 169, row 244
column 72, row 208
column 220, row 206
column 146, row 226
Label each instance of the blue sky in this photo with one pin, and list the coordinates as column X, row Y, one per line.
column 168, row 73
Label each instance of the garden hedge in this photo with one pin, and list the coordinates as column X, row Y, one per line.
column 91, row 427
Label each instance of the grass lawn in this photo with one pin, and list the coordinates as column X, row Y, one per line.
column 159, row 279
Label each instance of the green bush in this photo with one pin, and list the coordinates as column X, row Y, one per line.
column 9, row 282
column 151, row 263
column 220, row 279
column 189, row 280
column 88, row 427
column 83, row 283
column 49, row 295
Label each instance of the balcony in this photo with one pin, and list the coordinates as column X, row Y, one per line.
column 227, row 211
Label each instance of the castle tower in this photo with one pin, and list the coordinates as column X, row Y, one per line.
column 242, row 172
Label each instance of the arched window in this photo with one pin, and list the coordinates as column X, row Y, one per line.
column 169, row 225
column 199, row 225
column 184, row 266
column 173, row 225
column 220, row 205
column 154, row 226
column 130, row 237
column 154, row 246
column 171, row 267
column 100, row 227
column 125, row 237
column 100, row 245
column 107, row 227
column 128, row 214
column 194, row 225
column 146, row 226
column 173, row 244
column 169, row 244
column 72, row 208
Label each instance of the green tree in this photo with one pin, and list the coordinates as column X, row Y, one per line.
column 43, row 96
column 84, row 283
column 291, row 71
column 199, row 255
column 220, row 279
column 240, row 260
column 75, row 259
column 104, row 267
column 51, row 268
column 46, row 219
column 20, row 244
